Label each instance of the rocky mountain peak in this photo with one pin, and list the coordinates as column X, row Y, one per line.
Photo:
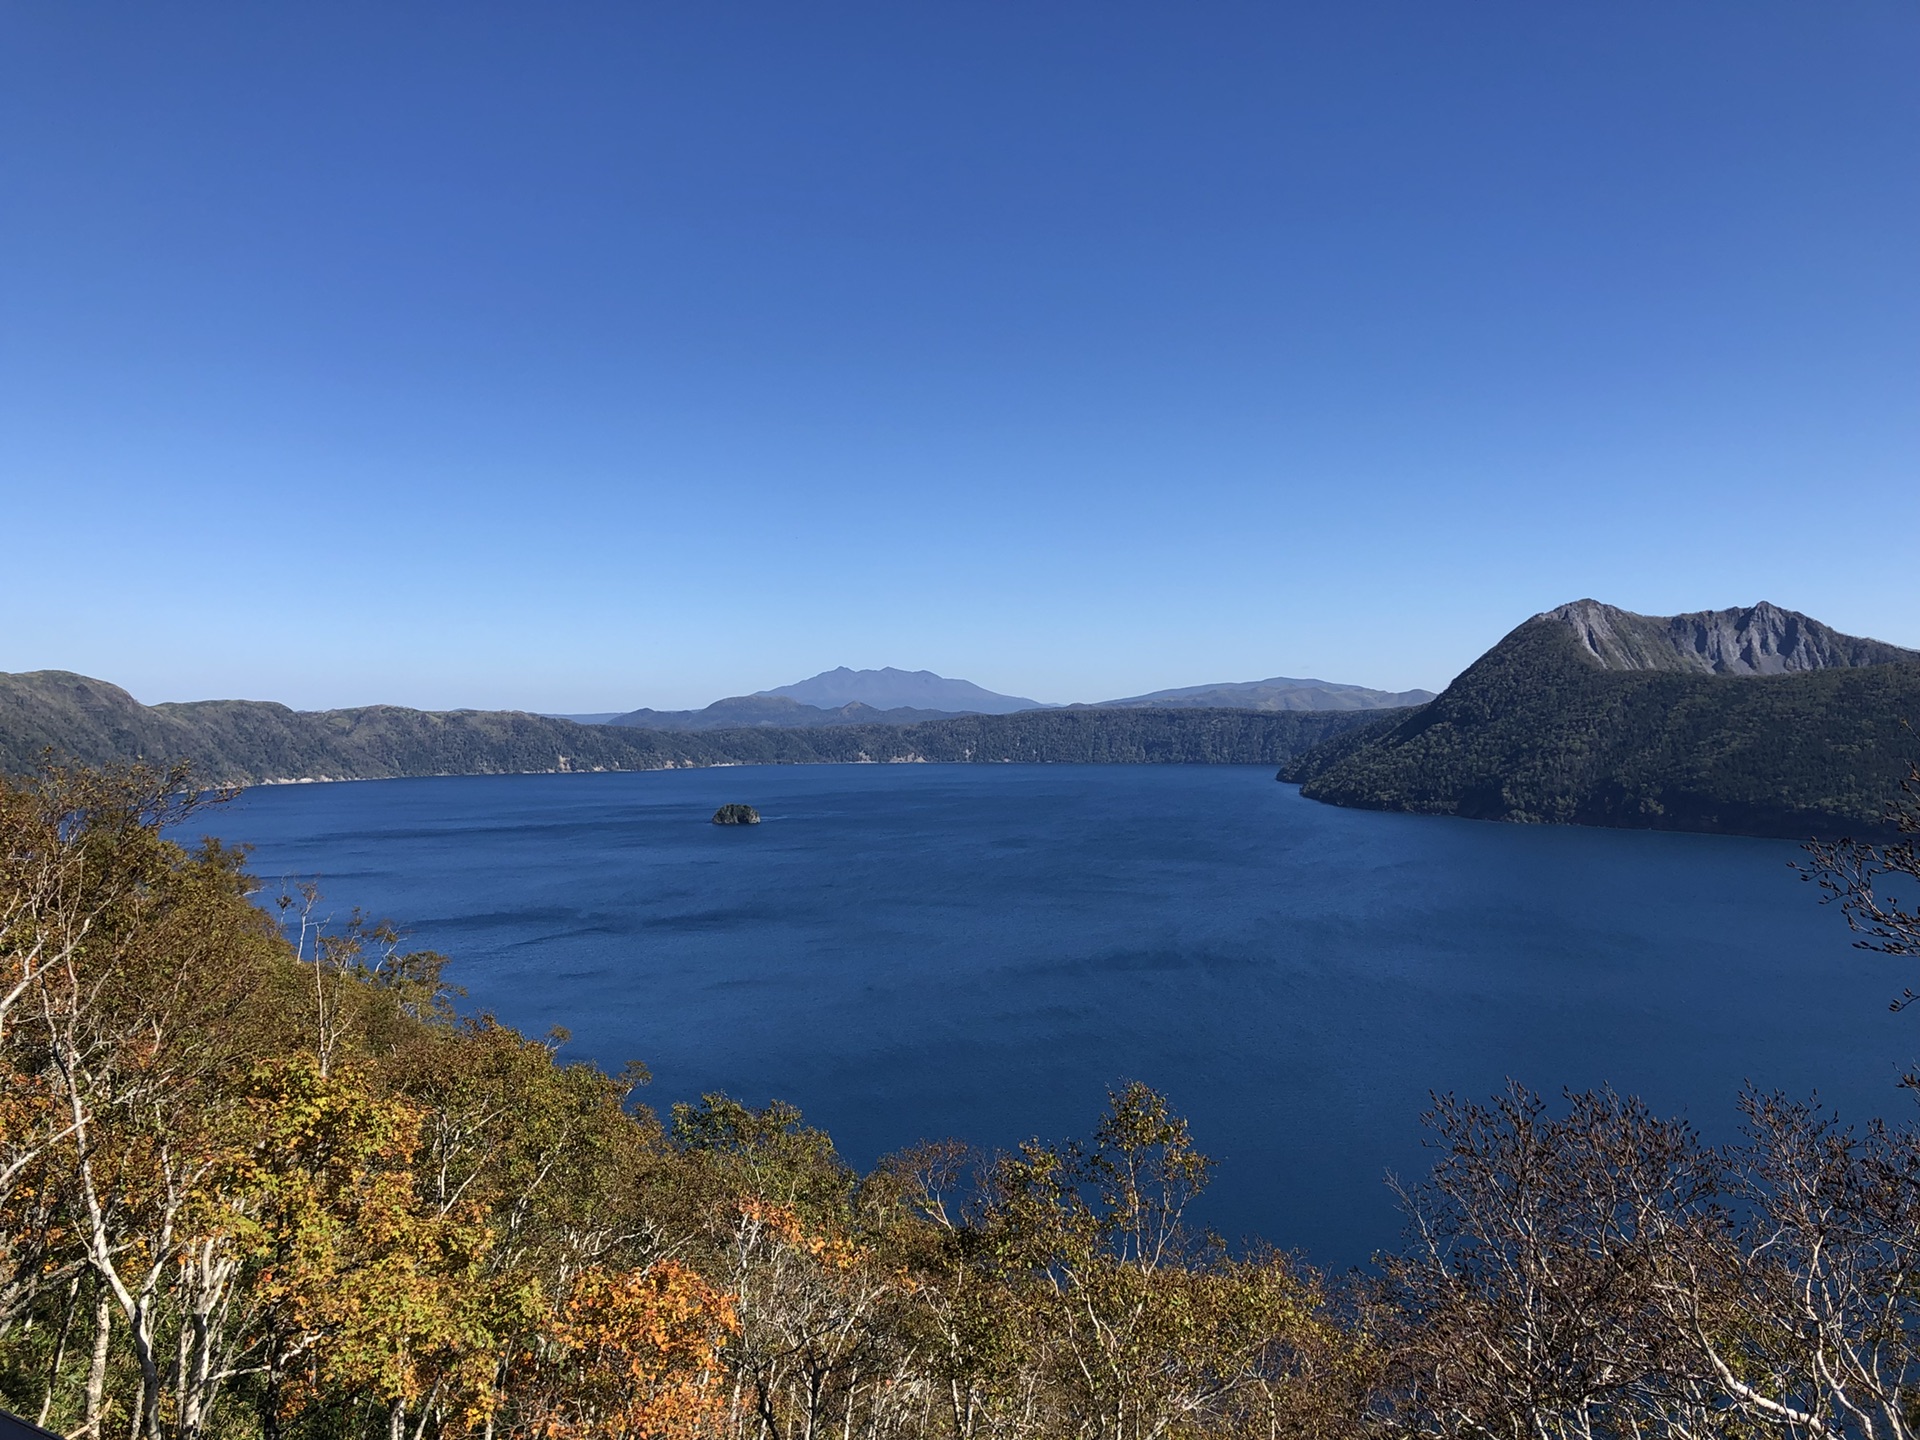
column 1761, row 639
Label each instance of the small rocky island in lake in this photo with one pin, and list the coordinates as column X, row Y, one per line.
column 736, row 815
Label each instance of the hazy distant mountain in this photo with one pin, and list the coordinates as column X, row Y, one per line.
column 776, row 711
column 892, row 689
column 1758, row 721
column 1279, row 693
column 907, row 697
column 790, row 708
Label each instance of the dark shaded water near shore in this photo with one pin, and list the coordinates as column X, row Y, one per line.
column 910, row 952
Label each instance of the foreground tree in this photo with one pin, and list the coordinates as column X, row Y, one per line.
column 1537, row 1298
column 1877, row 882
column 631, row 1355
column 1077, row 1301
column 1604, row 1274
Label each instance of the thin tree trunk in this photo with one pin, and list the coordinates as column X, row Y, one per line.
column 426, row 1411
column 59, row 1351
column 97, row 1366
column 149, row 1376
column 186, row 1412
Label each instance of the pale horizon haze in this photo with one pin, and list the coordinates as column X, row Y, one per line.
column 587, row 357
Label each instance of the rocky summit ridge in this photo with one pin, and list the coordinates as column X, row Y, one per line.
column 1760, row 639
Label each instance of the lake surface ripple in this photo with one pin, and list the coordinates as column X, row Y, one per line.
column 909, row 952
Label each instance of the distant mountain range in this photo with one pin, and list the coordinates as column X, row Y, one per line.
column 76, row 719
column 911, row 697
column 1756, row 721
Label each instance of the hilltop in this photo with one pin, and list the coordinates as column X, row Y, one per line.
column 891, row 689
column 1757, row 721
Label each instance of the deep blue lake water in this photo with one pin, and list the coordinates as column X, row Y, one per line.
column 910, row 952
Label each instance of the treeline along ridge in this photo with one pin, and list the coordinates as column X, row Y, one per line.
column 247, row 742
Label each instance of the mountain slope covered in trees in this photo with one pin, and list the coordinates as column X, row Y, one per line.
column 249, row 742
column 1757, row 721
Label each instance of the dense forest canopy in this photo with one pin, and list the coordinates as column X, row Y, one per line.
column 258, row 1179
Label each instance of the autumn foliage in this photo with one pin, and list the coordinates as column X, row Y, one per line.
column 635, row 1354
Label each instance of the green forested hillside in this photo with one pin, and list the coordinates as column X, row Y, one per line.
column 1540, row 730
column 247, row 742
column 243, row 741
column 1094, row 737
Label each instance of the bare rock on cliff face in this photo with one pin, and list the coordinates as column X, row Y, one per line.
column 1761, row 639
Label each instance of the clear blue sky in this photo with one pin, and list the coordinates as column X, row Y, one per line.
column 579, row 356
